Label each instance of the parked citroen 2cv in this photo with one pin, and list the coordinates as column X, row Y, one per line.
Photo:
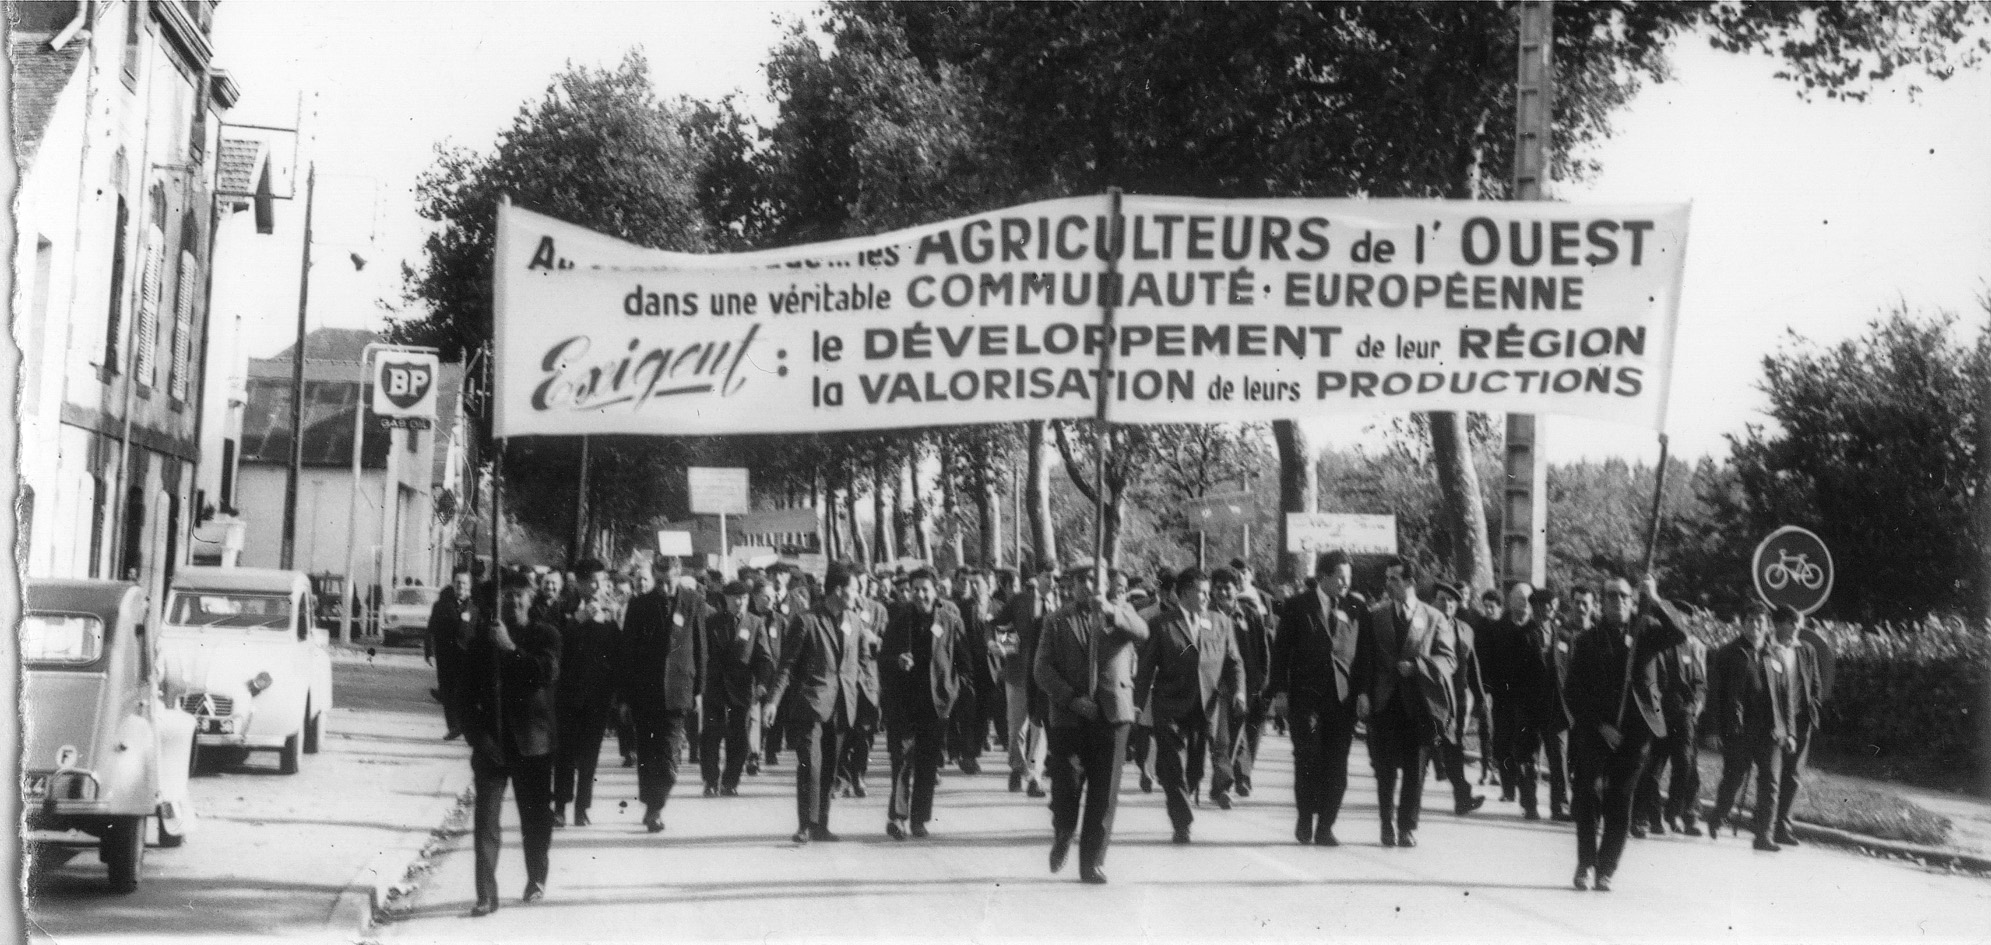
column 102, row 751
column 243, row 654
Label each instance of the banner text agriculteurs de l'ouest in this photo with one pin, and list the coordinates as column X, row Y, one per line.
column 1225, row 310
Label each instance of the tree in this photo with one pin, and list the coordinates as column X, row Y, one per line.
column 1875, row 448
column 1386, row 100
column 599, row 149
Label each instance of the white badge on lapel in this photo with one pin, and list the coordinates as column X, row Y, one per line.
column 745, row 634
column 678, row 619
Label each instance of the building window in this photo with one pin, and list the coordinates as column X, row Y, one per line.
column 111, row 334
column 134, row 33
column 145, row 329
column 99, row 500
column 188, row 286
column 228, row 477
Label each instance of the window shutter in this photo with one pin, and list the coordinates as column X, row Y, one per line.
column 147, row 327
column 183, row 324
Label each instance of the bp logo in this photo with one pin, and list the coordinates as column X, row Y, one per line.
column 406, row 383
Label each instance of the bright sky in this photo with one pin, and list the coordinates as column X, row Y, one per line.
column 1807, row 217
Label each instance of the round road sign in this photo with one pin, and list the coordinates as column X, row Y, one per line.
column 1793, row 567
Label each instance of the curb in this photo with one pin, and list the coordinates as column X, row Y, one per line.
column 1929, row 856
column 368, row 892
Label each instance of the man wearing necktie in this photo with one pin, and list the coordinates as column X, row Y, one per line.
column 1019, row 625
column 1410, row 698
column 1616, row 712
column 1085, row 666
column 1750, row 697
column 1188, row 672
column 1318, row 661
column 663, row 672
column 922, row 663
column 818, row 692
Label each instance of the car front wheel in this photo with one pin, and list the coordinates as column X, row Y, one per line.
column 122, row 848
column 314, row 730
column 287, row 757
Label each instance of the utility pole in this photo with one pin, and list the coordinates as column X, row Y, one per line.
column 291, row 474
column 1524, row 518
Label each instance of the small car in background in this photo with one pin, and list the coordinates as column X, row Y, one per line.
column 102, row 752
column 405, row 619
column 243, row 654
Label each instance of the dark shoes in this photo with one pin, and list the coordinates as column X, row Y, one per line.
column 1303, row 830
column 1015, row 781
column 653, row 820
column 1785, row 838
column 1389, row 835
column 1147, row 785
column 1582, row 878
column 1036, row 789
column 753, row 764
column 534, row 892
column 1472, row 804
column 823, row 835
column 1561, row 817
column 1324, row 837
column 1603, row 883
column 1766, row 844
column 729, row 790
column 1689, row 828
column 1096, row 875
column 801, row 836
column 1222, row 801
column 1406, row 839
column 1531, row 814
column 1243, row 789
column 1181, row 835
column 483, row 908
column 894, row 830
column 1637, row 831
column 559, row 815
column 581, row 818
column 919, row 831
column 452, row 735
column 712, row 790
column 970, row 766
column 1061, row 848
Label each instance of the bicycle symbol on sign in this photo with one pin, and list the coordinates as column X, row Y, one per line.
column 1793, row 567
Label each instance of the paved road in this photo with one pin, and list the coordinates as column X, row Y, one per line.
column 273, row 853
column 724, row 871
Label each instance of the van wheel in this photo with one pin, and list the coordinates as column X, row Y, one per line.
column 122, row 848
column 287, row 758
column 314, row 730
column 167, row 838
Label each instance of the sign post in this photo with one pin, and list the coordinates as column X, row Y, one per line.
column 1792, row 566
column 404, row 395
column 718, row 490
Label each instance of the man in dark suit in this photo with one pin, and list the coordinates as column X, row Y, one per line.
column 817, row 693
column 1805, row 670
column 442, row 646
column 1468, row 699
column 1750, row 697
column 1616, row 712
column 663, row 672
column 1085, row 666
column 1518, row 655
column 980, row 707
column 739, row 665
column 1410, row 698
column 1018, row 626
column 510, row 669
column 1254, row 650
column 1683, row 692
column 923, row 663
column 871, row 614
column 1318, row 664
column 590, row 646
column 1188, row 671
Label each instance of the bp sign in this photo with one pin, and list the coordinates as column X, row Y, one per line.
column 404, row 388
column 1793, row 567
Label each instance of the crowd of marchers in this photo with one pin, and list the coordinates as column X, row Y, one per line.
column 1073, row 673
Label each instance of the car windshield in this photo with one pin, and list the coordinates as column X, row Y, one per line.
column 214, row 609
column 415, row 595
column 61, row 639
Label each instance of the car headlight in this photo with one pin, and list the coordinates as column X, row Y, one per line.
column 260, row 683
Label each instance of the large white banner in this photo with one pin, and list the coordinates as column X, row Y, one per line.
column 1225, row 310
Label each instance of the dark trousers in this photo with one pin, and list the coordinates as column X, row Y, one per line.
column 625, row 739
column 1177, row 743
column 771, row 739
column 967, row 726
column 531, row 780
column 817, row 746
column 1793, row 775
column 1322, row 736
column 1141, row 747
column 1680, row 752
column 1084, row 762
column 855, row 760
column 1738, row 755
column 1602, row 782
column 916, row 747
column 723, row 739
column 446, row 690
column 1399, row 751
column 659, row 743
column 1518, row 744
column 1451, row 762
column 688, row 745
column 575, row 752
column 1244, row 731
